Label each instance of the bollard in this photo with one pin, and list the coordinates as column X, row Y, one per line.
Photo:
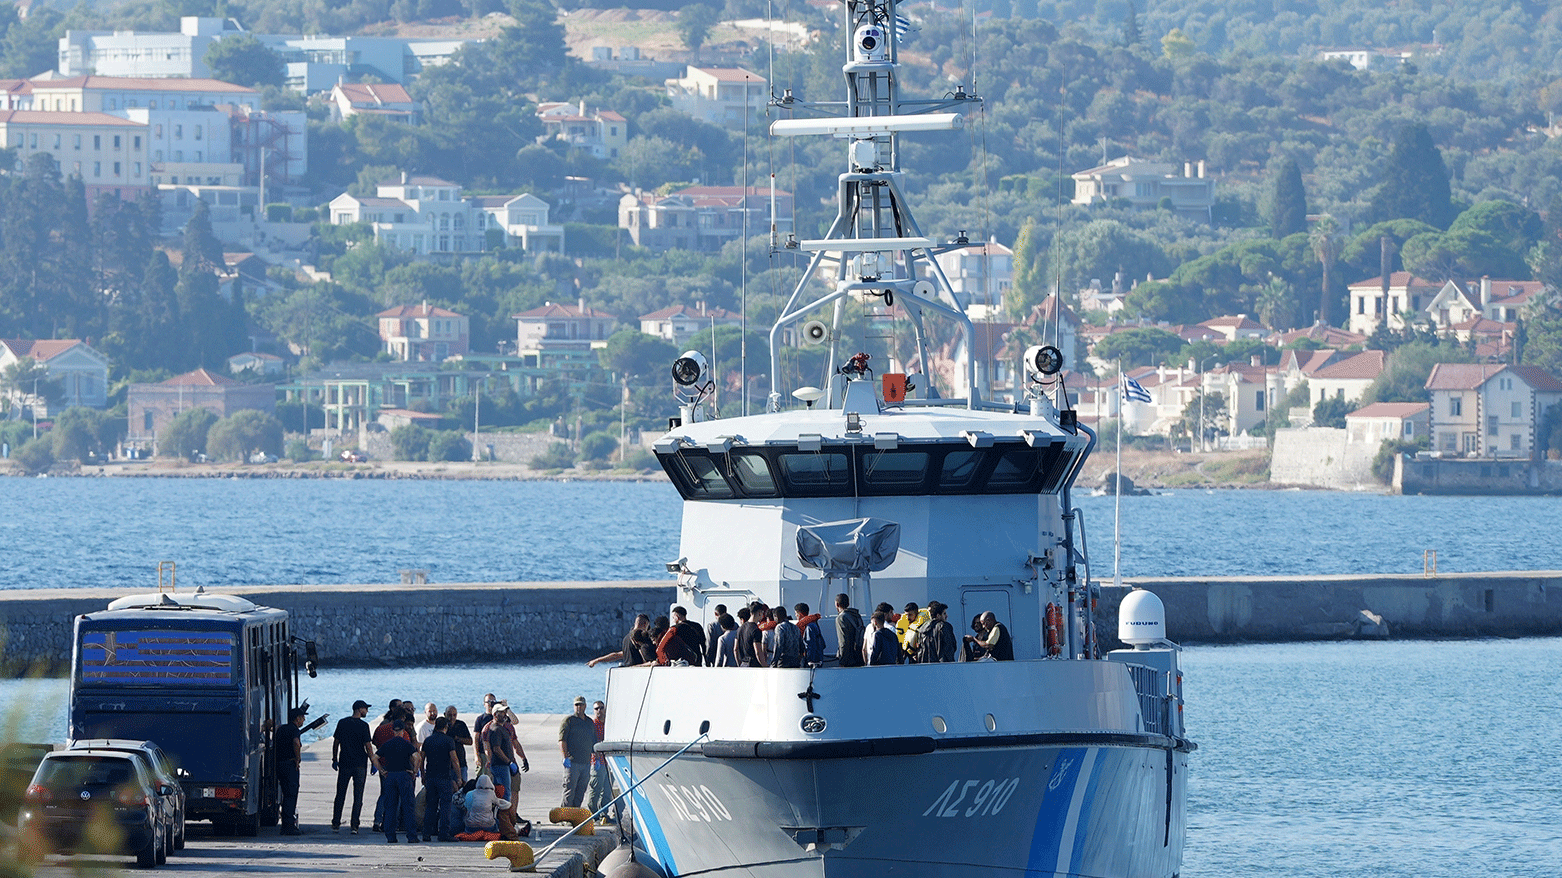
column 519, row 853
column 577, row 817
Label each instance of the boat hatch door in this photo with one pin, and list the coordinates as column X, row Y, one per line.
column 978, row 599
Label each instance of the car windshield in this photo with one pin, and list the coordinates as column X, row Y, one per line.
column 77, row 772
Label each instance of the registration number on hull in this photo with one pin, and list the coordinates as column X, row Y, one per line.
column 695, row 804
column 973, row 798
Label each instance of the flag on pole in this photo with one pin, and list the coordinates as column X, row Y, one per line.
column 1132, row 390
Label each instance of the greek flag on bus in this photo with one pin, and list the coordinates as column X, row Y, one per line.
column 1133, row 391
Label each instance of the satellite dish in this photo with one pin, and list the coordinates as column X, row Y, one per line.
column 815, row 332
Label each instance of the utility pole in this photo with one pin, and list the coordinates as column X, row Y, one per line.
column 477, row 415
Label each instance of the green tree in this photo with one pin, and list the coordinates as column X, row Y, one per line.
column 1132, row 33
column 186, row 434
column 1287, row 213
column 1140, row 346
column 558, row 456
column 244, row 60
column 1415, row 181
column 410, row 442
column 35, row 456
column 243, row 434
column 694, row 23
column 298, row 416
column 27, row 384
column 80, row 433
column 449, row 445
column 630, row 352
column 1331, row 411
column 598, row 446
column 1404, row 375
column 1204, row 418
column 1029, row 287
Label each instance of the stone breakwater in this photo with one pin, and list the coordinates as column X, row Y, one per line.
column 382, row 625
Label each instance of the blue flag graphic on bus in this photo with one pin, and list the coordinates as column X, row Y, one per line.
column 1133, row 391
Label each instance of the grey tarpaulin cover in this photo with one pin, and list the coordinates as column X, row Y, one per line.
column 851, row 548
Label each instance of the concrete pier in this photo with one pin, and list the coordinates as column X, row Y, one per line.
column 401, row 625
column 319, row 851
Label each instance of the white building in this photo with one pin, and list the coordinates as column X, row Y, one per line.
column 677, row 323
column 702, row 218
column 555, row 327
column 1489, row 410
column 386, row 99
column 727, row 96
column 426, row 215
column 80, row 371
column 1144, row 184
column 135, row 53
column 603, row 133
column 1399, row 421
column 980, row 275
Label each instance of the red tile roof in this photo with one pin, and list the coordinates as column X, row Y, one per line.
column 199, row 378
column 1461, row 376
column 1537, row 378
column 1390, row 410
column 1398, row 280
column 42, row 349
column 554, row 309
column 691, row 312
column 423, row 310
column 1365, row 365
column 374, row 93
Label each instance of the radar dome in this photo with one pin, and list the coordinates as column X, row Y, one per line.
column 1141, row 619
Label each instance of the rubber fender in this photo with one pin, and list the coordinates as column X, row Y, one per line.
column 579, row 817
column 519, row 853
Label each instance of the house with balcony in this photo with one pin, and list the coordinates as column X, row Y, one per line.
column 677, row 323
column 519, row 221
column 1372, row 302
column 603, row 133
column 980, row 275
column 1489, row 409
column 80, row 371
column 430, row 216
column 727, row 96
column 424, row 333
column 556, row 330
column 702, row 218
column 1145, row 184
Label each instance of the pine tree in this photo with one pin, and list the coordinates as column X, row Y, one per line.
column 1131, row 31
column 1288, row 206
column 1028, row 288
column 1415, row 182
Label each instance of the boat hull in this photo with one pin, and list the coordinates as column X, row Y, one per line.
column 1102, row 810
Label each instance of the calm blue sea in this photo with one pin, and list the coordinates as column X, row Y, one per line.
column 1318, row 760
column 109, row 532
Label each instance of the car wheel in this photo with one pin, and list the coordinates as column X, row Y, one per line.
column 146, row 858
column 166, row 844
column 179, row 837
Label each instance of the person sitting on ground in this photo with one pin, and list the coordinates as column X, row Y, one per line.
column 727, row 647
column 882, row 648
column 483, row 807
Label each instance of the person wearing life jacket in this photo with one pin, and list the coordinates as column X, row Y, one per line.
column 910, row 629
column 813, row 638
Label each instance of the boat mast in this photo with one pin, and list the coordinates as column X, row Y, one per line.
column 878, row 251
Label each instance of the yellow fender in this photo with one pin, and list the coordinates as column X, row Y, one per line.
column 578, row 817
column 519, row 853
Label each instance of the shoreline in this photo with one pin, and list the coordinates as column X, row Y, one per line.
column 1155, row 470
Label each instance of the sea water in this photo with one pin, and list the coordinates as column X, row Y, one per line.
column 1316, row 760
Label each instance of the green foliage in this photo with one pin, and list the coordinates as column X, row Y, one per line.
column 1140, row 346
column 640, row 460
column 449, row 445
column 298, row 451
column 1204, row 418
column 244, row 60
column 1331, row 411
column 80, row 433
column 558, row 456
column 632, row 352
column 1405, row 373
column 244, row 433
column 186, row 434
column 1383, row 461
column 1287, row 214
column 1415, row 181
column 411, row 442
column 694, row 24
column 35, row 456
column 598, row 446
column 298, row 416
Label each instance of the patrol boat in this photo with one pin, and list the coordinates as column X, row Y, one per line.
column 1061, row 762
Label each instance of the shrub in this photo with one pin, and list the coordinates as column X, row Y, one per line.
column 598, row 446
column 298, row 451
column 1383, row 461
column 558, row 456
column 410, row 442
column 243, row 433
column 36, row 456
column 640, row 460
column 449, row 445
column 186, row 434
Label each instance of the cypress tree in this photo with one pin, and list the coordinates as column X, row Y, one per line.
column 1415, row 182
column 1288, row 207
column 1132, row 33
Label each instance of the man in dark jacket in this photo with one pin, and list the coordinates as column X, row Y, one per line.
column 713, row 634
column 939, row 644
column 848, row 632
column 692, row 635
column 883, row 646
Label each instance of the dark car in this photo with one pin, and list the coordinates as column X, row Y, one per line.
column 18, row 763
column 162, row 767
column 99, row 802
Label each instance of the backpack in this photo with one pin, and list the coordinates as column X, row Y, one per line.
column 789, row 647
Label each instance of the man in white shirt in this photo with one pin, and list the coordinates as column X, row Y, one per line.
column 426, row 727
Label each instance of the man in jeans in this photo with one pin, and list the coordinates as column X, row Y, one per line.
column 601, row 780
column 350, row 760
column 577, row 740
column 440, row 769
column 289, row 753
column 398, row 760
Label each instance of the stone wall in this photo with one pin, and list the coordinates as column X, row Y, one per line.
column 1321, row 457
column 507, row 447
column 1465, row 476
column 385, row 625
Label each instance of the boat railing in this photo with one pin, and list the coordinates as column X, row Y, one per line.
column 1155, row 700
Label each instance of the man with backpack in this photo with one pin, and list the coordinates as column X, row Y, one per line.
column 789, row 643
column 848, row 631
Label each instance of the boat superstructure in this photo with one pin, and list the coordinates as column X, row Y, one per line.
column 1062, row 762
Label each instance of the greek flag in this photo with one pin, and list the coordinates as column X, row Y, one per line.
column 1132, row 390
column 902, row 27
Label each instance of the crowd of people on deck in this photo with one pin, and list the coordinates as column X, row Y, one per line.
column 761, row 636
column 461, row 798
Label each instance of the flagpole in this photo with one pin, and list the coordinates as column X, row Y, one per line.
column 1117, row 505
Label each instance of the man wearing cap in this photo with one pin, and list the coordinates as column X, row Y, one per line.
column 289, row 753
column 350, row 760
column 399, row 761
column 577, row 741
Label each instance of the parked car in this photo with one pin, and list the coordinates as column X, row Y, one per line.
column 353, row 455
column 18, row 764
column 162, row 767
column 91, row 801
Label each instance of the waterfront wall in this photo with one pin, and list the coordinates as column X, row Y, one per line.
column 1478, row 476
column 1321, row 457
column 391, row 625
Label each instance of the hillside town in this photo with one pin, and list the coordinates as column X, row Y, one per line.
column 288, row 261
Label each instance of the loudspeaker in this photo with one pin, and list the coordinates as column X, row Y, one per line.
column 815, row 332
